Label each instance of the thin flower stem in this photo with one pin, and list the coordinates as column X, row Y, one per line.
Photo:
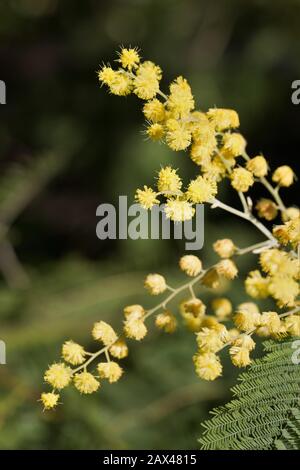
column 291, row 312
column 274, row 192
column 256, row 246
column 244, row 202
column 93, row 356
column 174, row 294
column 162, row 94
column 169, row 193
column 216, row 203
column 170, row 288
column 192, row 291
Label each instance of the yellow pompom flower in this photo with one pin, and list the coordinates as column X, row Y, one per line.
column 274, row 262
column 146, row 197
column 179, row 210
column 239, row 356
column 258, row 166
column 119, row 349
column 207, row 366
column 73, row 353
column 121, row 85
column 281, row 233
column 215, row 170
column 200, row 153
column 155, row 131
column 178, row 136
column 248, row 307
column 234, row 144
column 283, row 176
column 135, row 329
column 110, row 371
column 271, row 321
column 223, row 119
column 166, row 321
column 284, row 289
column 233, row 334
column 168, row 180
column 102, row 331
column 222, row 331
column 201, row 190
column 180, row 101
column 266, row 209
column 225, row 248
column 155, row 284
column 247, row 317
column 292, row 323
column 222, row 308
column 270, row 260
column 154, row 110
column 291, row 213
column 227, row 268
column 192, row 323
column 146, row 82
column 129, row 58
column 241, row 179
column 256, row 285
column 289, row 232
column 203, row 131
column 190, row 264
column 209, row 340
column 86, row 383
column 49, row 400
column 211, row 279
column 293, row 228
column 58, row 375
column 134, row 311
column 244, row 341
column 194, row 307
column 193, row 311
column 209, row 321
column 106, row 75
column 264, row 332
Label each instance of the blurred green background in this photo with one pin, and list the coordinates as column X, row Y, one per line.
column 66, row 147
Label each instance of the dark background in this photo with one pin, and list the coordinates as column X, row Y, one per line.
column 59, row 122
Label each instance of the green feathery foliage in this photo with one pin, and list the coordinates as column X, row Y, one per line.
column 265, row 411
column 290, row 437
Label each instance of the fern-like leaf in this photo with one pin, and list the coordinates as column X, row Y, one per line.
column 290, row 437
column 264, row 412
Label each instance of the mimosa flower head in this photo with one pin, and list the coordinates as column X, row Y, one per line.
column 191, row 265
column 168, row 180
column 129, row 58
column 110, row 371
column 49, row 400
column 283, row 175
column 102, row 331
column 179, row 210
column 58, row 375
column 86, row 383
column 73, row 353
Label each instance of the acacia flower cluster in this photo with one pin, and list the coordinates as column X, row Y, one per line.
column 214, row 144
